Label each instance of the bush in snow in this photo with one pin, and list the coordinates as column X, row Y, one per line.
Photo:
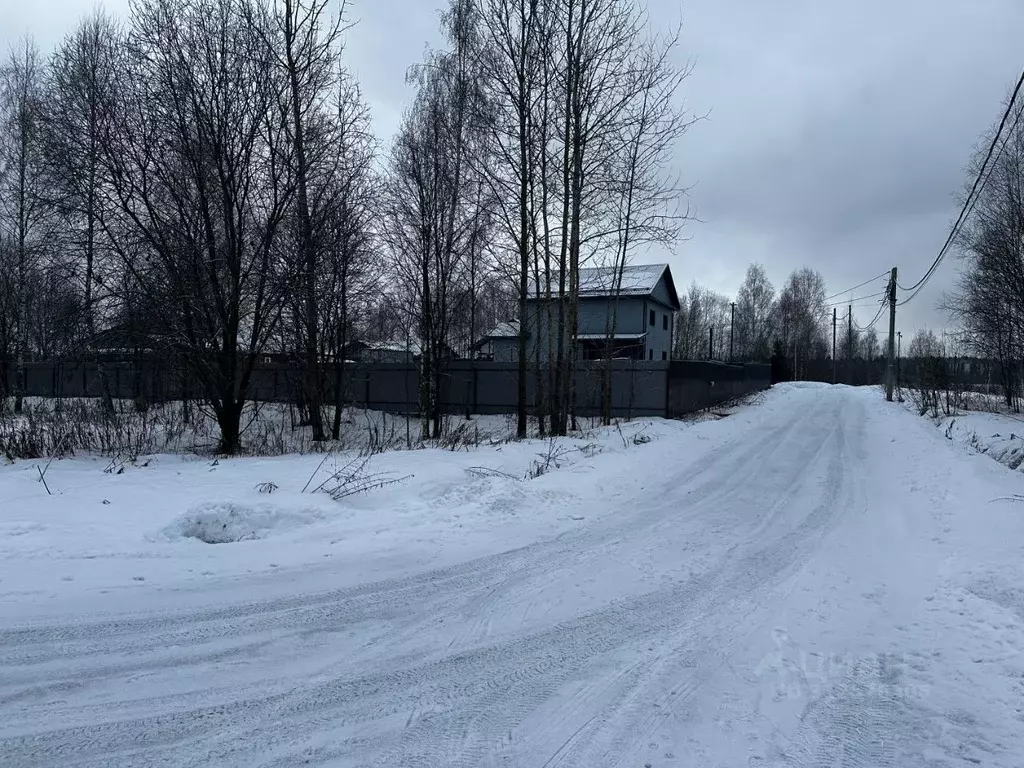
column 349, row 479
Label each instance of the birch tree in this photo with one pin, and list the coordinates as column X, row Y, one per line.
column 22, row 196
column 802, row 318
column 515, row 42
column 432, row 198
column 988, row 300
column 755, row 305
column 308, row 46
column 79, row 115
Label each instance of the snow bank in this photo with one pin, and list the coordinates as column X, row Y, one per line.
column 998, row 436
column 786, row 385
column 225, row 522
column 145, row 523
column 824, row 578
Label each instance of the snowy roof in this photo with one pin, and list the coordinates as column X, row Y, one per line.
column 508, row 330
column 636, row 280
column 412, row 347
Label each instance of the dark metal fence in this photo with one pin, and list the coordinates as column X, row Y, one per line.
column 637, row 388
column 695, row 385
column 971, row 372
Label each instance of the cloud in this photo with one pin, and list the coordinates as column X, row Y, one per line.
column 837, row 134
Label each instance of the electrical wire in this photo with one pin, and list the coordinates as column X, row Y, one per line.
column 921, row 284
column 969, row 203
column 878, row 314
column 859, row 285
column 859, row 298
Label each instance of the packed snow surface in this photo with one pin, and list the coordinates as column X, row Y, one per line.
column 818, row 579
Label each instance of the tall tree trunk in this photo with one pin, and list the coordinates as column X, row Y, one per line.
column 426, row 349
column 339, row 362
column 307, row 248
column 20, row 380
column 524, row 260
column 229, row 419
column 562, row 376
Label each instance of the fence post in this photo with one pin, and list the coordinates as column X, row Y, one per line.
column 476, row 385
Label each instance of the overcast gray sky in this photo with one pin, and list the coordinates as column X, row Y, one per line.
column 838, row 134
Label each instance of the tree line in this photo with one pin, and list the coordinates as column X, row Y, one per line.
column 987, row 301
column 760, row 324
column 201, row 181
column 196, row 182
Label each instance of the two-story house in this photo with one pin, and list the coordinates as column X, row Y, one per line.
column 621, row 315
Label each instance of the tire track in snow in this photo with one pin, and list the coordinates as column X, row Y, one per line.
column 467, row 706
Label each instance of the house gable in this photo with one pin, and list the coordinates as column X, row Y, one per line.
column 665, row 291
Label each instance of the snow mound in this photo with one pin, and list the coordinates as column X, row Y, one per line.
column 786, row 385
column 225, row 522
column 998, row 436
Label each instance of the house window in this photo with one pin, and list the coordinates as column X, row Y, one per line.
column 664, row 355
column 652, row 318
column 650, row 355
column 664, row 323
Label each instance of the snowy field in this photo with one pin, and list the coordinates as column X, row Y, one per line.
column 818, row 579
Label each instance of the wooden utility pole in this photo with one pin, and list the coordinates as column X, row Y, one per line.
column 890, row 364
column 732, row 325
column 833, row 345
column 711, row 343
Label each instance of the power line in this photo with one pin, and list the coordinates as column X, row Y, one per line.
column 924, row 281
column 969, row 203
column 973, row 203
column 859, row 298
column 869, row 326
column 859, row 285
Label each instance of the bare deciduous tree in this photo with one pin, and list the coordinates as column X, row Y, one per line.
column 702, row 325
column 755, row 305
column 78, row 117
column 870, row 344
column 802, row 318
column 350, row 266
column 308, row 48
column 200, row 174
column 432, row 212
column 989, row 298
column 514, row 44
column 22, row 187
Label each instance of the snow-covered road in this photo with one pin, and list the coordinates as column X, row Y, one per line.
column 830, row 584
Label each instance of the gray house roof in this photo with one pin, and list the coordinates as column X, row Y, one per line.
column 638, row 280
column 509, row 330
